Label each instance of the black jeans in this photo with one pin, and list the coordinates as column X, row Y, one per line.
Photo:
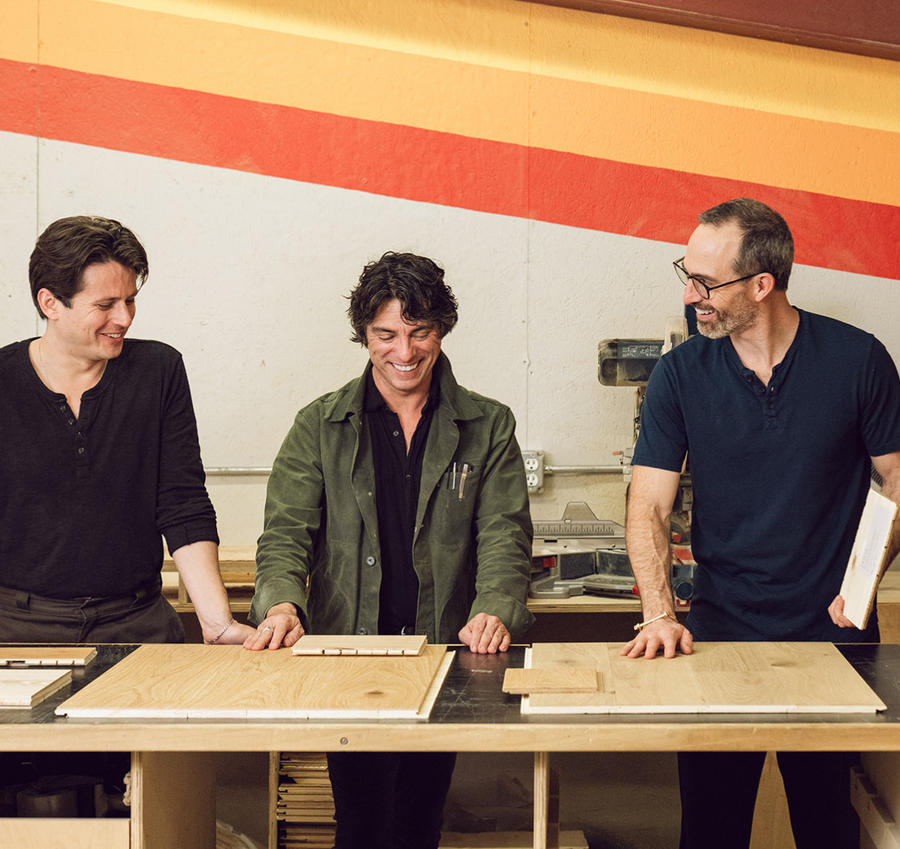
column 389, row 800
column 718, row 795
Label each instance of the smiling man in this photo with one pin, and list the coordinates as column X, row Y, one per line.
column 397, row 505
column 99, row 460
column 782, row 413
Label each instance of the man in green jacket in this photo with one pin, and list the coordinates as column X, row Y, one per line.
column 396, row 505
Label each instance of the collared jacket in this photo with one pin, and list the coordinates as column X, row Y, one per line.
column 472, row 542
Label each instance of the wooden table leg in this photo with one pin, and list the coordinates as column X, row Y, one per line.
column 173, row 800
column 541, row 798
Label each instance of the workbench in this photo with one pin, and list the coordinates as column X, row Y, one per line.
column 173, row 760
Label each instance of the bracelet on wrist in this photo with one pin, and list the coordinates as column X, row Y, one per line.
column 216, row 638
column 641, row 625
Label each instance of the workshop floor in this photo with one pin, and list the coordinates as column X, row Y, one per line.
column 619, row 801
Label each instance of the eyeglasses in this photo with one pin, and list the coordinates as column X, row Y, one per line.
column 702, row 288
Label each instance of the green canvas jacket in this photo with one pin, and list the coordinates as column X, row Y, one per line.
column 471, row 554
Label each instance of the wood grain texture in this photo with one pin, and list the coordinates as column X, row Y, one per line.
column 47, row 655
column 716, row 678
column 577, row 679
column 65, row 833
column 28, row 687
column 172, row 681
column 355, row 644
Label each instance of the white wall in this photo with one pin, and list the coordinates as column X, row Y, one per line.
column 248, row 278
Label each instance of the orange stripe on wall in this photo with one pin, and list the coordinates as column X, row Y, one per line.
column 432, row 167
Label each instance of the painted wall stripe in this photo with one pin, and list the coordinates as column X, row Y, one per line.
column 421, row 165
column 729, row 107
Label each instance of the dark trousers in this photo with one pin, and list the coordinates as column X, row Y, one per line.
column 718, row 795
column 141, row 616
column 389, row 800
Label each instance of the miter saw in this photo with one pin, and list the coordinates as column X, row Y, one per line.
column 582, row 554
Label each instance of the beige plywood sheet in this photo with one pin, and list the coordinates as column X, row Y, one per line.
column 172, row 681
column 24, row 688
column 370, row 644
column 46, row 655
column 716, row 678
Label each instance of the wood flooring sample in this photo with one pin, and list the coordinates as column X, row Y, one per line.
column 46, row 655
column 574, row 679
column 716, row 678
column 183, row 681
column 356, row 644
column 27, row 687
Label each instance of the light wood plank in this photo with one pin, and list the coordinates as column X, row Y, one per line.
column 356, row 644
column 716, row 678
column 47, row 655
column 578, row 679
column 63, row 833
column 27, row 687
column 171, row 681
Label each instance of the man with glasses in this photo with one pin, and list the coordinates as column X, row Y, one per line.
column 782, row 413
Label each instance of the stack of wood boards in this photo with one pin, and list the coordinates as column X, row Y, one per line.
column 29, row 674
column 225, row 682
column 716, row 678
column 305, row 807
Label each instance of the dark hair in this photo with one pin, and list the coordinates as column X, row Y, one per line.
column 416, row 281
column 767, row 244
column 68, row 246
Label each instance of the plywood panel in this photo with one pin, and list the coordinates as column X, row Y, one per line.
column 716, row 678
column 167, row 681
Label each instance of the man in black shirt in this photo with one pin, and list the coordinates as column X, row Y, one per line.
column 99, row 459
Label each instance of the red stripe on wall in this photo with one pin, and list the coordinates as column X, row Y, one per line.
column 432, row 167
column 18, row 98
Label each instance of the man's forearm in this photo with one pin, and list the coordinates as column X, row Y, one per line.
column 198, row 566
column 647, row 538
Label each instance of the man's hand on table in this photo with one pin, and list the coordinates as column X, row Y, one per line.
column 485, row 634
column 665, row 634
column 281, row 627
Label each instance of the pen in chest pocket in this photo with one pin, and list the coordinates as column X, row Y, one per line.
column 462, row 480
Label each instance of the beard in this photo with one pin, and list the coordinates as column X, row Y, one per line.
column 741, row 315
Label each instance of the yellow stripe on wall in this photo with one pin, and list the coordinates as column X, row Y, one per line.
column 602, row 49
column 598, row 86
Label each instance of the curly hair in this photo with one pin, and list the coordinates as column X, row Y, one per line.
column 68, row 246
column 416, row 281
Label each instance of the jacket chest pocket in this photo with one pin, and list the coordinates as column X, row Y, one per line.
column 455, row 502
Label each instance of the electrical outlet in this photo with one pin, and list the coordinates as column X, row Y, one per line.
column 534, row 470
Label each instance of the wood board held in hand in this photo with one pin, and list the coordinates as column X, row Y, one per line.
column 716, row 678
column 47, row 655
column 24, row 688
column 356, row 644
column 188, row 681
